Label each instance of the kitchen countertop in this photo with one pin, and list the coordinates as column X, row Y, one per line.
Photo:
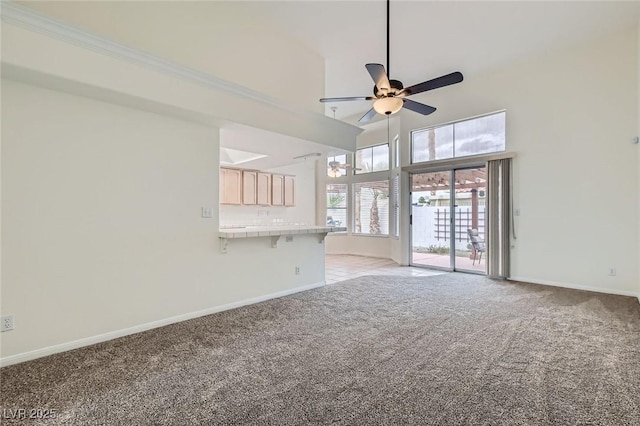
column 271, row 231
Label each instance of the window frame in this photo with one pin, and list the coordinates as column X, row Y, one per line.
column 371, row 147
column 453, row 123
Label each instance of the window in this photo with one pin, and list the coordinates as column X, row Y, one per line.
column 396, row 205
column 372, row 159
column 396, row 151
column 431, row 144
column 371, row 208
column 480, row 135
column 340, row 159
column 337, row 205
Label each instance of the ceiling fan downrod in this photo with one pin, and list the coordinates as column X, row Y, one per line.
column 388, row 63
column 390, row 96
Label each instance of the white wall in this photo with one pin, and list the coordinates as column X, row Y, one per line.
column 218, row 38
column 304, row 211
column 570, row 117
column 101, row 226
column 39, row 51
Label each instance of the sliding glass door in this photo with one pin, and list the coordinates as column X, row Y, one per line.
column 448, row 219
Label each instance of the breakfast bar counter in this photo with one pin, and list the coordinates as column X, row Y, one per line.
column 274, row 232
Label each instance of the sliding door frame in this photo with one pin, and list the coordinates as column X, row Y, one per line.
column 452, row 218
column 450, row 165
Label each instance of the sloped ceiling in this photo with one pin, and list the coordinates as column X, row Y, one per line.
column 432, row 38
column 428, row 39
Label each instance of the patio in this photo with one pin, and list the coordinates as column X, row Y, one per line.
column 443, row 261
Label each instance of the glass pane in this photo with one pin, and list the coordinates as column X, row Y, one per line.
column 432, row 144
column 371, row 208
column 419, row 151
column 380, row 157
column 337, row 205
column 396, row 144
column 469, row 238
column 364, row 161
column 396, row 205
column 480, row 135
column 430, row 209
column 340, row 159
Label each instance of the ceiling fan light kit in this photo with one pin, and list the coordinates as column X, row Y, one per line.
column 334, row 172
column 390, row 95
column 335, row 169
column 388, row 106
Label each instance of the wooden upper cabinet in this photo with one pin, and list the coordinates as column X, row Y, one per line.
column 277, row 190
column 249, row 186
column 264, row 189
column 289, row 191
column 230, row 186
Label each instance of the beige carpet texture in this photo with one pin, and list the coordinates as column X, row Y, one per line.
column 452, row 349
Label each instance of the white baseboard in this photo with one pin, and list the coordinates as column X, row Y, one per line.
column 75, row 344
column 576, row 286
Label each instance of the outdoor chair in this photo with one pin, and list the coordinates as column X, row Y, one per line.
column 477, row 245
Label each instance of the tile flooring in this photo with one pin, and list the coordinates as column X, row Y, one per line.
column 340, row 267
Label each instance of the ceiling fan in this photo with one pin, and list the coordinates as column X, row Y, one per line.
column 390, row 95
column 335, row 167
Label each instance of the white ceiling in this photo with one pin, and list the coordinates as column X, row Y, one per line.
column 430, row 38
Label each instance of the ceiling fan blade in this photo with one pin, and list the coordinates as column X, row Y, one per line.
column 418, row 107
column 445, row 80
column 352, row 98
column 379, row 76
column 368, row 116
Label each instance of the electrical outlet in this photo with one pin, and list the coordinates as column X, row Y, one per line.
column 297, row 270
column 6, row 323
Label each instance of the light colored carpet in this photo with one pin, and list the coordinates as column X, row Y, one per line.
column 451, row 349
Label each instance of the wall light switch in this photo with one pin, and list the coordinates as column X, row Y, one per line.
column 207, row 212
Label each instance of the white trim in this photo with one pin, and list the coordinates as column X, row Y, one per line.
column 75, row 344
column 478, row 160
column 575, row 286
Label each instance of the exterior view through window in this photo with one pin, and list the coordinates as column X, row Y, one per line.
column 371, row 208
column 337, row 204
column 481, row 135
column 372, row 159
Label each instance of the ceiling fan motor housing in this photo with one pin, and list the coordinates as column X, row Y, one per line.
column 396, row 87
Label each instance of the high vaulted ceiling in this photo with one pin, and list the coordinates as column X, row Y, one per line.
column 427, row 39
column 430, row 38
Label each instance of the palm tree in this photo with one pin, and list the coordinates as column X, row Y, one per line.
column 335, row 200
column 374, row 218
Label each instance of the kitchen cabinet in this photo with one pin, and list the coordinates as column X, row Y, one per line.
column 277, row 190
column 263, row 189
column 289, row 191
column 249, row 187
column 230, row 186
